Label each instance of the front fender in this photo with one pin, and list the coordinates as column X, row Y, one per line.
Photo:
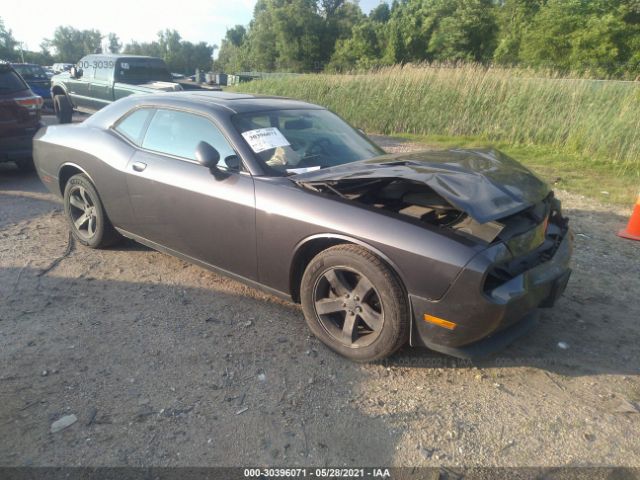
column 288, row 217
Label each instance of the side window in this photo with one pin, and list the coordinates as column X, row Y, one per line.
column 86, row 64
column 178, row 133
column 102, row 70
column 132, row 125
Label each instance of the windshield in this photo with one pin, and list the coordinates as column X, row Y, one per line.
column 295, row 141
column 31, row 72
column 142, row 70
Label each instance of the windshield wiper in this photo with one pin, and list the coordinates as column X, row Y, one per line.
column 296, row 171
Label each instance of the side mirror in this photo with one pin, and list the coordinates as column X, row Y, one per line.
column 233, row 163
column 75, row 72
column 207, row 156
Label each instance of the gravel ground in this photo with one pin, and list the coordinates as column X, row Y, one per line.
column 165, row 364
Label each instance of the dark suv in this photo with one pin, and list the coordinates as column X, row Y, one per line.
column 20, row 111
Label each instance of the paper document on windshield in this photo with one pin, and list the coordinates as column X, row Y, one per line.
column 296, row 171
column 263, row 139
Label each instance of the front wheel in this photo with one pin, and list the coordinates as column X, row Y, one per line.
column 85, row 214
column 63, row 109
column 354, row 303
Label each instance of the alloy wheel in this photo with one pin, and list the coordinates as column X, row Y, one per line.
column 83, row 212
column 348, row 307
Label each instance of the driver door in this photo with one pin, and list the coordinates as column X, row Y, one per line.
column 179, row 204
column 78, row 88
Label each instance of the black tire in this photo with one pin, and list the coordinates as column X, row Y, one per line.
column 25, row 165
column 354, row 303
column 63, row 109
column 87, row 219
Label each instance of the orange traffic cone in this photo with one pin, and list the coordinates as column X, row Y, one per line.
column 632, row 231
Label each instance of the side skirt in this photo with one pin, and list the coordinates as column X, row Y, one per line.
column 208, row 266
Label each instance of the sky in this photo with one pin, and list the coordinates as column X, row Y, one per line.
column 195, row 20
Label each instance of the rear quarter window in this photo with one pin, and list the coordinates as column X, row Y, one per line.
column 132, row 126
column 141, row 70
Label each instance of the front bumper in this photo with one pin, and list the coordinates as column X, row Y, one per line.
column 487, row 320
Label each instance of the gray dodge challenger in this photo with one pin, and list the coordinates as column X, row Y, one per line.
column 453, row 250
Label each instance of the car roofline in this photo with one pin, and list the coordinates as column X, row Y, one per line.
column 227, row 103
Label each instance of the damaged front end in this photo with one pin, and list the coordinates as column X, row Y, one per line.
column 482, row 196
column 465, row 191
column 412, row 202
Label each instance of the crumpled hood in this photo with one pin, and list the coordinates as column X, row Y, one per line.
column 486, row 184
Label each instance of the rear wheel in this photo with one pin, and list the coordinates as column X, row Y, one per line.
column 63, row 109
column 87, row 219
column 354, row 303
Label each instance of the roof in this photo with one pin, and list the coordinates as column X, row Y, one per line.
column 120, row 55
column 222, row 103
column 234, row 102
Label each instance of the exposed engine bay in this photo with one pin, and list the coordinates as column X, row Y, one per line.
column 413, row 200
column 522, row 231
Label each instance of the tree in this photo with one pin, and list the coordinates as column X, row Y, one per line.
column 365, row 47
column 363, row 50
column 328, row 8
column 114, row 43
column 292, row 35
column 233, row 51
column 143, row 48
column 466, row 32
column 427, row 30
column 298, row 33
column 599, row 36
column 198, row 55
column 8, row 44
column 340, row 20
column 40, row 58
column 71, row 44
column 171, row 49
column 179, row 55
column 513, row 17
column 236, row 36
column 381, row 13
column 261, row 53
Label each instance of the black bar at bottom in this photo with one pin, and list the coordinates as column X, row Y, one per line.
column 263, row 473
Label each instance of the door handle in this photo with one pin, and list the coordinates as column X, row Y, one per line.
column 139, row 166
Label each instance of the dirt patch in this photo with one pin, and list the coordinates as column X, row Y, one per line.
column 164, row 363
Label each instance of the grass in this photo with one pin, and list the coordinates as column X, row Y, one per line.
column 584, row 132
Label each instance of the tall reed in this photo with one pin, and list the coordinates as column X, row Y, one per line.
column 597, row 119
